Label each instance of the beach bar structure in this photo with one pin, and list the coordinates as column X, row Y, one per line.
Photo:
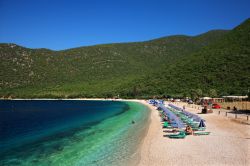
column 218, row 100
column 235, row 98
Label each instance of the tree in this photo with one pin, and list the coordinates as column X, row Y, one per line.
column 199, row 93
column 212, row 93
column 193, row 94
column 196, row 94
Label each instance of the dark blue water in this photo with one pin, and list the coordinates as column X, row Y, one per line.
column 23, row 120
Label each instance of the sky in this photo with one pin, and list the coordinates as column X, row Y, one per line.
column 63, row 24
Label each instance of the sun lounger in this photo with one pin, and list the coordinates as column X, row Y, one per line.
column 180, row 135
column 201, row 133
column 199, row 128
column 166, row 125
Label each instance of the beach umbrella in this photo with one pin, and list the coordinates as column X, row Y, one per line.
column 202, row 124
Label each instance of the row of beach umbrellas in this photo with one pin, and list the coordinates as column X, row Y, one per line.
column 188, row 114
column 174, row 119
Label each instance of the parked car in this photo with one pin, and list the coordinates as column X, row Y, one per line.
column 190, row 102
column 216, row 106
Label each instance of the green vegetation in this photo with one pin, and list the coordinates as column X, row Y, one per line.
column 214, row 63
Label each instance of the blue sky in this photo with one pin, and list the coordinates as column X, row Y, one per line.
column 61, row 24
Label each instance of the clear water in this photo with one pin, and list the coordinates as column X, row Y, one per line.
column 70, row 132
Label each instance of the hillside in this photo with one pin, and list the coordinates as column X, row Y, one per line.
column 220, row 68
column 217, row 60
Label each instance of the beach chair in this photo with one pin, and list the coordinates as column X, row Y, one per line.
column 181, row 134
column 166, row 125
column 201, row 133
column 199, row 128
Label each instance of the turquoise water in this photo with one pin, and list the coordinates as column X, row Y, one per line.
column 106, row 137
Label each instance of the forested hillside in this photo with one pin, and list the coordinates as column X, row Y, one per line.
column 220, row 68
column 216, row 63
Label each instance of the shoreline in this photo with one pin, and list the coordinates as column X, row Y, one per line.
column 228, row 144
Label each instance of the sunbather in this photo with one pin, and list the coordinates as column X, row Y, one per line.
column 189, row 130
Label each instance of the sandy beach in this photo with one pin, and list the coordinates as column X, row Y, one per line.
column 228, row 144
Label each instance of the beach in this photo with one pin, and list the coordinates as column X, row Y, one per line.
column 228, row 143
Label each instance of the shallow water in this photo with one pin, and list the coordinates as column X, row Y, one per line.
column 70, row 132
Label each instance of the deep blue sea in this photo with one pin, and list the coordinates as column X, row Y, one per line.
column 70, row 132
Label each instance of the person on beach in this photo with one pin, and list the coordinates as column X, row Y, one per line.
column 189, row 130
column 235, row 109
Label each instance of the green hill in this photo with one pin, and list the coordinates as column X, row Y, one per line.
column 220, row 68
column 214, row 61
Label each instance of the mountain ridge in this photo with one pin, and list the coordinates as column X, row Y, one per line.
column 117, row 43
